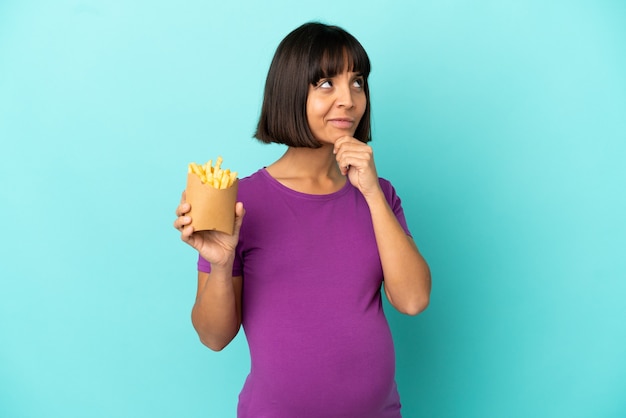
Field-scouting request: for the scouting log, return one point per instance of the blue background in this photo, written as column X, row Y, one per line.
column 502, row 125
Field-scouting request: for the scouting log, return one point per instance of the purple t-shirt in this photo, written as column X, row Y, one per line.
column 320, row 344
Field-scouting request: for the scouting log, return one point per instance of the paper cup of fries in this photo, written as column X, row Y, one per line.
column 212, row 194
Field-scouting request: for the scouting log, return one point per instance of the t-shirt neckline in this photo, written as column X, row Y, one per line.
column 344, row 189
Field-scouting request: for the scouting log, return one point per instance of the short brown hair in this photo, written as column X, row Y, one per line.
column 309, row 53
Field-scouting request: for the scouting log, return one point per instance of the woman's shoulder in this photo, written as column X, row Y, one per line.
column 384, row 182
column 388, row 190
column 252, row 185
column 252, row 178
column 386, row 185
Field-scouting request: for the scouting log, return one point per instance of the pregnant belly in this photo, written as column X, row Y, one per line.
column 310, row 371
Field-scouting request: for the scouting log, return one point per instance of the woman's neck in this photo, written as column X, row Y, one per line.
column 308, row 170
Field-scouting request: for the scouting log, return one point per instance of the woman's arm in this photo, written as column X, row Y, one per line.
column 216, row 314
column 406, row 274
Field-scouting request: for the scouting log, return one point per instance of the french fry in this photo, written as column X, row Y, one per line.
column 196, row 169
column 224, row 179
column 214, row 176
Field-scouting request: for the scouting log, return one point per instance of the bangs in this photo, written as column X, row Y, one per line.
column 334, row 52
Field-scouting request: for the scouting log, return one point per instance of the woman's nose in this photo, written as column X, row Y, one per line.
column 344, row 97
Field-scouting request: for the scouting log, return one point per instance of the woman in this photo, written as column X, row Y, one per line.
column 304, row 268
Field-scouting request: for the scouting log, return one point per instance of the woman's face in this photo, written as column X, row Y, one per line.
column 335, row 106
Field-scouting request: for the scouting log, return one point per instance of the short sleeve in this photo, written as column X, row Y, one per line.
column 395, row 203
column 205, row 266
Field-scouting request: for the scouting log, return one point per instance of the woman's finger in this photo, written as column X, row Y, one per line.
column 182, row 209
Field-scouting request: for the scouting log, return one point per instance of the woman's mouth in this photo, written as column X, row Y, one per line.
column 341, row 123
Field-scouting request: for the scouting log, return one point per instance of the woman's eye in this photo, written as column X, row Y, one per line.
column 358, row 82
column 325, row 84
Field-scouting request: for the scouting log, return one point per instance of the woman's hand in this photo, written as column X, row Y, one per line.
column 218, row 248
column 356, row 159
